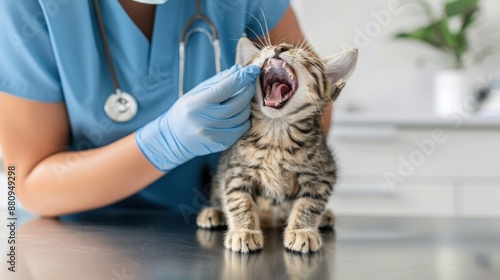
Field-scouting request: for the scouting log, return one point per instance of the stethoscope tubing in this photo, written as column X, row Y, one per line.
column 121, row 106
column 184, row 39
column 107, row 51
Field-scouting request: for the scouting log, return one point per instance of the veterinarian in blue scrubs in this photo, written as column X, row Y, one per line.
column 69, row 156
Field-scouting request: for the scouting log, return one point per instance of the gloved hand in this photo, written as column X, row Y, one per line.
column 208, row 119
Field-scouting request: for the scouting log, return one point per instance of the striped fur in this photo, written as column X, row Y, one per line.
column 281, row 171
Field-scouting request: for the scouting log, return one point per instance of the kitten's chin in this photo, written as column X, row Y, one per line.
column 281, row 113
column 272, row 113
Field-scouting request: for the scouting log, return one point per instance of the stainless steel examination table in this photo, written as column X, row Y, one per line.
column 160, row 245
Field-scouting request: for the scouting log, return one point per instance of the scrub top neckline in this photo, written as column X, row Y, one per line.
column 124, row 12
column 151, row 46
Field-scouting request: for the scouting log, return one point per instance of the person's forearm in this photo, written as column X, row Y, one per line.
column 70, row 181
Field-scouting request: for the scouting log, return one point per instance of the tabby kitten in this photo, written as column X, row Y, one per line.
column 281, row 171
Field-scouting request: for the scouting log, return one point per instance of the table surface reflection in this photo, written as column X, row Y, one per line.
column 161, row 245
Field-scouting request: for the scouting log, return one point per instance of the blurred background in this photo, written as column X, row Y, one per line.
column 391, row 76
column 416, row 132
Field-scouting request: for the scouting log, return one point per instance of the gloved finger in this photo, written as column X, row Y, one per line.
column 233, row 121
column 215, row 79
column 237, row 131
column 241, row 97
column 235, row 104
column 226, row 88
column 222, row 75
column 229, row 136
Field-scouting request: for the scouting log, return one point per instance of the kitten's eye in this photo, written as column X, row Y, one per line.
column 278, row 50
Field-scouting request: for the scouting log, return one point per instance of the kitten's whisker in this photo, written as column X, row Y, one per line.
column 305, row 70
column 266, row 25
column 318, row 47
column 329, row 97
column 255, row 33
column 317, row 105
column 266, row 39
column 317, row 67
column 309, row 96
column 260, row 46
column 307, row 38
column 314, row 64
column 278, row 41
column 301, row 43
column 291, row 36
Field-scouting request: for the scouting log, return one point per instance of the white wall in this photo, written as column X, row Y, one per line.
column 388, row 78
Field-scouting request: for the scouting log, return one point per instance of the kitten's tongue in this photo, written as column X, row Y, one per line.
column 277, row 92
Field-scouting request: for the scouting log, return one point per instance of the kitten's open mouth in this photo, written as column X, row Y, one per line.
column 278, row 83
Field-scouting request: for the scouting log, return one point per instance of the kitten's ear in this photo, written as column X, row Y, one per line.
column 339, row 69
column 245, row 51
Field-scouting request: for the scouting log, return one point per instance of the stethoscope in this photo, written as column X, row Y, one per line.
column 121, row 106
column 184, row 38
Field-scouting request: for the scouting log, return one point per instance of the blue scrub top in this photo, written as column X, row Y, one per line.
column 52, row 52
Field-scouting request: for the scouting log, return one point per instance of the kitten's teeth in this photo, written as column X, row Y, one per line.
column 284, row 64
column 289, row 73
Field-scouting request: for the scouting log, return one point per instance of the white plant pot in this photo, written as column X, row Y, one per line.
column 453, row 90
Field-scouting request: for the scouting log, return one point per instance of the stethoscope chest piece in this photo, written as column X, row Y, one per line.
column 120, row 107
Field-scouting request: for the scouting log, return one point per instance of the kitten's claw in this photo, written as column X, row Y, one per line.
column 210, row 218
column 302, row 240
column 327, row 220
column 244, row 241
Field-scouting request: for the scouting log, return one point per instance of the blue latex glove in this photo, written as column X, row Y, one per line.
column 208, row 119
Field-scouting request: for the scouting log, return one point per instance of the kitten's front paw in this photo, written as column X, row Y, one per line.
column 302, row 240
column 211, row 217
column 244, row 241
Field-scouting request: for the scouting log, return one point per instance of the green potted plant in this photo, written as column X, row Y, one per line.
column 453, row 84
